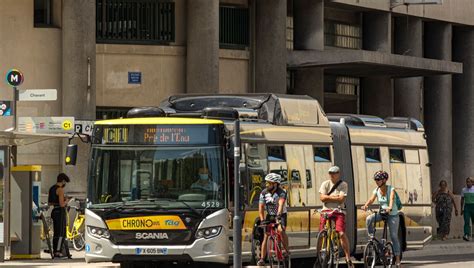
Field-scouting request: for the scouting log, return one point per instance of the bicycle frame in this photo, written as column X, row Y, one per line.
column 276, row 235
column 73, row 232
column 333, row 235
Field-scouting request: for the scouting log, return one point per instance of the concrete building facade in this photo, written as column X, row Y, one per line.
column 380, row 58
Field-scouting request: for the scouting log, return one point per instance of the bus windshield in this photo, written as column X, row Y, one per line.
column 165, row 177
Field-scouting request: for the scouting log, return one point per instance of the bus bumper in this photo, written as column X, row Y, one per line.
column 214, row 250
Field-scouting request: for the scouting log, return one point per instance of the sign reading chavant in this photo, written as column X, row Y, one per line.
column 49, row 125
column 38, row 95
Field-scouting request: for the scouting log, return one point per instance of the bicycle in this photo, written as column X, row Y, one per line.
column 47, row 231
column 76, row 232
column 275, row 245
column 328, row 241
column 379, row 252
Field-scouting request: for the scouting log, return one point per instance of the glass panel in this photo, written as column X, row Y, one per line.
column 168, row 177
column 372, row 155
column 257, row 168
column 397, row 156
column 322, row 154
column 276, row 153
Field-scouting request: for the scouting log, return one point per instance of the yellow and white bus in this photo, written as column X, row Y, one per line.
column 148, row 203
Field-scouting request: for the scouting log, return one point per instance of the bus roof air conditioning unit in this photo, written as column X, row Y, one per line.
column 145, row 112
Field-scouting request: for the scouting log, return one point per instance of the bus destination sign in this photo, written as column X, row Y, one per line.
column 158, row 134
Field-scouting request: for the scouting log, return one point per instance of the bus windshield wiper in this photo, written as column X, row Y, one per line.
column 179, row 201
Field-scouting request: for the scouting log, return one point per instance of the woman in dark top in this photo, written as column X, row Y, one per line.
column 57, row 199
column 444, row 202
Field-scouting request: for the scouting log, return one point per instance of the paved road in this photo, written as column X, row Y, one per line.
column 455, row 253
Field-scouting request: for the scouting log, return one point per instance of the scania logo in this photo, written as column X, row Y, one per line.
column 156, row 236
column 171, row 223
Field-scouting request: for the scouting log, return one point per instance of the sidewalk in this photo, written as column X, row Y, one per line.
column 46, row 262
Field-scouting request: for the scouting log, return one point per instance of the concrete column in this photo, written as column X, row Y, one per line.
column 78, row 94
column 377, row 27
column 270, row 58
column 308, row 21
column 463, row 107
column 438, row 104
column 202, row 50
column 377, row 96
column 408, row 100
column 310, row 81
column 377, row 92
column 308, row 16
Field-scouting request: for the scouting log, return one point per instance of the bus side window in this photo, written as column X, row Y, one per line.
column 256, row 163
column 372, row 155
column 396, row 155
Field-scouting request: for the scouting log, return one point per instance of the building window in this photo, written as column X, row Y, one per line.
column 397, row 156
column 135, row 21
column 43, row 13
column 276, row 153
column 289, row 33
column 233, row 27
column 322, row 154
column 104, row 113
column 372, row 155
column 343, row 35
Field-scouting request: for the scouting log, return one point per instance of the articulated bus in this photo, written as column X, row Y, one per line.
column 148, row 200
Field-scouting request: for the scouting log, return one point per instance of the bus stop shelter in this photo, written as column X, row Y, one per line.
column 7, row 141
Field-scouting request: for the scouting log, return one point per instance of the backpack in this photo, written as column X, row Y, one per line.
column 398, row 202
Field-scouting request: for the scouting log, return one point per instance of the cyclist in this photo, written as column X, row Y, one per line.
column 333, row 194
column 385, row 195
column 273, row 198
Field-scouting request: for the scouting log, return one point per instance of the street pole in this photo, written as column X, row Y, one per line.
column 15, row 99
column 237, row 233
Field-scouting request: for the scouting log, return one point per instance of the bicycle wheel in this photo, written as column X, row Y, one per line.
column 78, row 242
column 370, row 255
column 272, row 254
column 322, row 250
column 256, row 246
column 46, row 236
column 389, row 255
column 335, row 251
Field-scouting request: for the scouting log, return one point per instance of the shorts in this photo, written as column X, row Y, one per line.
column 284, row 219
column 340, row 220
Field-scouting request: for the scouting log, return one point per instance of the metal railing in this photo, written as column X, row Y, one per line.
column 135, row 21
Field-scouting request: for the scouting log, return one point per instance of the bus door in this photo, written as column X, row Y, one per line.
column 301, row 190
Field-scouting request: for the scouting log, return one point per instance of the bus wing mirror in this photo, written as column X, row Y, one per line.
column 71, row 154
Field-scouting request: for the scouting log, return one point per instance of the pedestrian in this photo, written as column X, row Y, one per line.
column 57, row 199
column 467, row 208
column 444, row 202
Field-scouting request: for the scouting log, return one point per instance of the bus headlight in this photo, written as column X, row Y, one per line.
column 98, row 232
column 208, row 232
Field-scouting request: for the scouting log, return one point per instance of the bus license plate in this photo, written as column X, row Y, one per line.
column 151, row 251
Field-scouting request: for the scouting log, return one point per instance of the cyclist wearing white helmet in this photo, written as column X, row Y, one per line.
column 273, row 200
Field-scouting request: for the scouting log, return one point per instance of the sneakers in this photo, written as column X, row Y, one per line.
column 261, row 262
column 466, row 238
